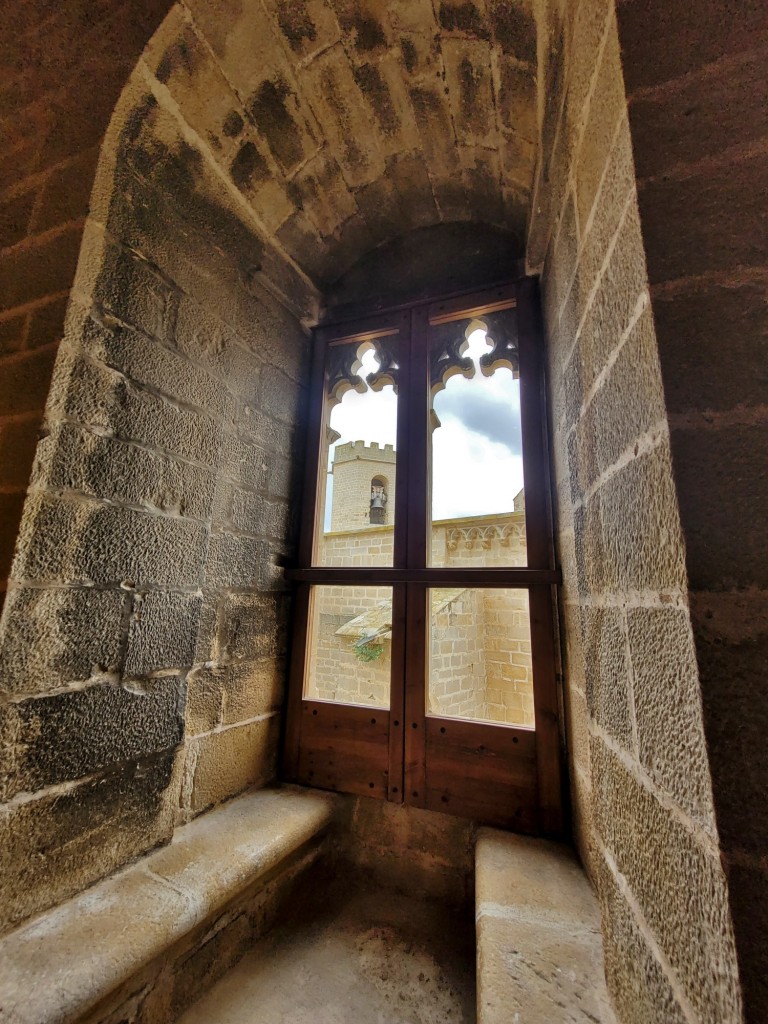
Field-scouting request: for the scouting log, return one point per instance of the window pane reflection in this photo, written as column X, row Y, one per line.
column 480, row 655
column 350, row 640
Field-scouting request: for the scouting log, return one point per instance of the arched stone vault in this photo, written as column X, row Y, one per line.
column 338, row 126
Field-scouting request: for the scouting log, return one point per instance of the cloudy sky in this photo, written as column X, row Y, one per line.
column 476, row 464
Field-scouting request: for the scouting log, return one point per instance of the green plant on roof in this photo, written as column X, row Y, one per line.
column 365, row 647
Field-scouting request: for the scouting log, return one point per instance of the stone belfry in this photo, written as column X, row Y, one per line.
column 363, row 486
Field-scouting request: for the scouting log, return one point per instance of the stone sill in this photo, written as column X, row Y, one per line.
column 539, row 945
column 60, row 965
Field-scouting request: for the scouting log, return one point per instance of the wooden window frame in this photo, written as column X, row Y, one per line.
column 409, row 730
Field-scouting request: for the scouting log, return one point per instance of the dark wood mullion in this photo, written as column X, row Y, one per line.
column 546, row 711
column 416, row 654
column 530, row 346
column 437, row 577
column 540, row 554
column 315, row 430
column 473, row 304
column 397, row 696
column 299, row 648
column 419, row 511
column 403, row 447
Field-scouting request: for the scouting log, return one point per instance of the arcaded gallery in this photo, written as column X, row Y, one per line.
column 383, row 512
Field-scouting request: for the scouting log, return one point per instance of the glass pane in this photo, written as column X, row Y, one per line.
column 480, row 656
column 357, row 468
column 350, row 645
column 476, row 464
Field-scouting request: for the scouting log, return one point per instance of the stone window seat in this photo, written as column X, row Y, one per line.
column 101, row 955
column 539, row 947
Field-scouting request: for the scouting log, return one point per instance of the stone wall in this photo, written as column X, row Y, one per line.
column 143, row 639
column 698, row 114
column 640, row 784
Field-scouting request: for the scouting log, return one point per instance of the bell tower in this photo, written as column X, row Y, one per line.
column 363, row 486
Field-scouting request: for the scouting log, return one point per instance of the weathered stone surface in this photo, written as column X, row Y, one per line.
column 162, row 632
column 607, row 671
column 229, row 761
column 49, row 740
column 72, row 458
column 253, row 688
column 639, row 988
column 678, row 882
column 539, row 950
column 134, row 918
column 667, row 703
column 59, row 843
column 54, row 637
column 251, row 625
column 409, row 850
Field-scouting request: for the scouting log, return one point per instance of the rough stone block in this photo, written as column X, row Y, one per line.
column 722, row 479
column 203, row 709
column 252, row 626
column 345, row 115
column 694, row 326
column 57, row 844
column 229, row 761
column 687, row 226
column 731, row 637
column 128, row 288
column 71, row 458
column 122, row 545
column 678, row 882
column 628, row 404
column 617, row 186
column 152, row 365
column 308, row 28
column 538, row 936
column 615, row 301
column 607, row 108
column 607, row 670
column 640, row 526
column 49, row 740
column 237, row 561
column 162, row 632
column 93, row 394
column 243, row 460
column 640, row 990
column 259, row 517
column 253, row 688
column 668, row 707
column 54, row 637
column 24, row 380
column 82, row 542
